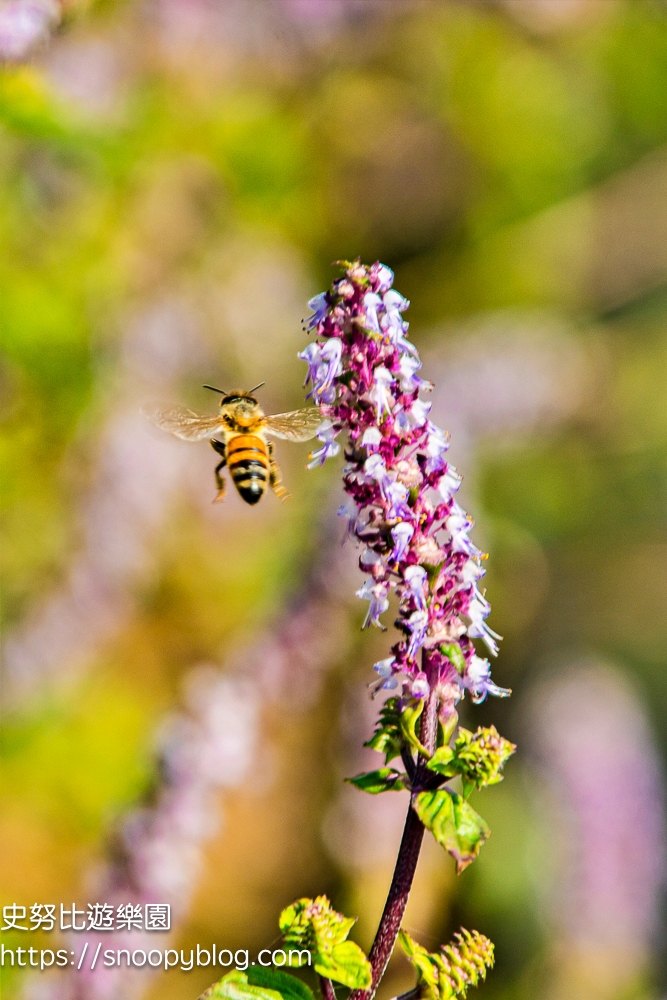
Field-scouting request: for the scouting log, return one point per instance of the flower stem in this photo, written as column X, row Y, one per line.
column 406, row 864
column 327, row 988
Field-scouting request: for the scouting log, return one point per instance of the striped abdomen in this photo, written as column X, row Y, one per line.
column 248, row 464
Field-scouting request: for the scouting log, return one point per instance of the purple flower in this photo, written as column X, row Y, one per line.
column 437, row 445
column 416, row 540
column 371, row 439
column 471, row 572
column 416, row 579
column 384, row 276
column 375, row 468
column 419, row 412
column 349, row 511
column 477, row 679
column 478, row 610
column 376, row 594
column 396, row 495
column 420, row 687
column 401, row 533
column 380, row 394
column 387, row 682
column 372, row 303
column 320, row 306
column 458, row 524
column 417, row 623
column 448, row 483
column 394, row 305
column 323, row 366
column 326, row 433
column 312, row 355
column 408, row 367
column 393, row 323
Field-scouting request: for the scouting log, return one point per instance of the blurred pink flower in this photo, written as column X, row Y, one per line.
column 155, row 854
column 136, row 475
column 597, row 755
column 23, row 24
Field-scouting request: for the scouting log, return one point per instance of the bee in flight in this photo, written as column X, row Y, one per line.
column 244, row 429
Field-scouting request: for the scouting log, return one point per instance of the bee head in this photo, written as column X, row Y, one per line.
column 237, row 396
column 242, row 406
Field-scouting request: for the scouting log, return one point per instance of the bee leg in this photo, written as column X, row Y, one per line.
column 275, row 479
column 219, row 481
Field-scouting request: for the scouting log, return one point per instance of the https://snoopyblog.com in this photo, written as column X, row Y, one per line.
column 183, row 959
column 102, row 919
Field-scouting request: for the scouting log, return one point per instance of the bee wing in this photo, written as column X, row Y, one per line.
column 183, row 423
column 298, row 425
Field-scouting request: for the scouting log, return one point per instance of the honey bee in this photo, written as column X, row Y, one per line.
column 244, row 448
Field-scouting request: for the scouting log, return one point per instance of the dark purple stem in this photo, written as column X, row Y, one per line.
column 406, row 864
column 327, row 988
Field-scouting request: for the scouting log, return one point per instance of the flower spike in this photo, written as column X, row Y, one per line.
column 362, row 372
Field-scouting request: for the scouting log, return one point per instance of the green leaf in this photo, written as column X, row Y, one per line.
column 312, row 924
column 408, row 721
column 395, row 728
column 446, row 728
column 347, row 965
column 386, row 779
column 289, row 987
column 454, row 654
column 443, row 762
column 453, row 823
column 387, row 736
column 432, row 571
column 468, row 786
column 235, row 986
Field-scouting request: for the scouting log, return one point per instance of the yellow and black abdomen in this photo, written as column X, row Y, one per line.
column 248, row 464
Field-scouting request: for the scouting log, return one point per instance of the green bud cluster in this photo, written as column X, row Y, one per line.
column 482, row 755
column 313, row 925
column 478, row 757
column 458, row 965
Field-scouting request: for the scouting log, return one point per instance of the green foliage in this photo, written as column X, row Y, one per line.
column 26, row 106
column 235, row 986
column 453, row 823
column 387, row 736
column 289, row 987
column 312, row 925
column 396, row 729
column 481, row 756
column 460, row 964
column 386, row 779
column 444, row 762
column 477, row 757
column 454, row 654
column 410, row 716
column 258, row 983
column 76, row 763
column 446, row 728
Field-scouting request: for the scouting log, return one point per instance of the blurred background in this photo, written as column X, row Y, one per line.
column 176, row 177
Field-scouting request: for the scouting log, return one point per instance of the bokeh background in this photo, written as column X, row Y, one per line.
column 184, row 684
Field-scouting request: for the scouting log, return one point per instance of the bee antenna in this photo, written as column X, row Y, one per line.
column 213, row 389
column 257, row 387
